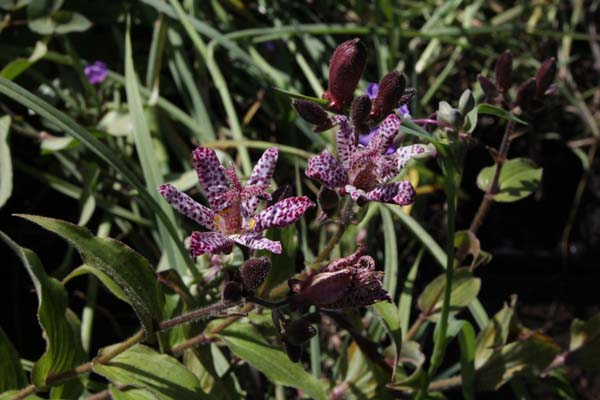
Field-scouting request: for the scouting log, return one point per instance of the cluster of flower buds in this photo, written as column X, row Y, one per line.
column 345, row 70
column 457, row 117
column 531, row 94
column 246, row 279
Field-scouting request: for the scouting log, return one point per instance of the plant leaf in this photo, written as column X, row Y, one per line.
column 530, row 355
column 585, row 344
column 63, row 349
column 466, row 340
column 110, row 284
column 411, row 354
column 465, row 288
column 247, row 343
column 129, row 270
column 160, row 374
column 518, row 178
column 130, row 393
column 6, row 173
column 391, row 322
column 12, row 376
column 321, row 102
column 489, row 109
column 495, row 334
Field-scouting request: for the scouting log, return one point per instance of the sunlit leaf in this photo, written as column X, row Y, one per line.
column 247, row 343
column 160, row 374
column 465, row 288
column 494, row 335
column 518, row 178
column 129, row 270
column 391, row 322
column 12, row 376
column 6, row 172
column 63, row 347
column 498, row 112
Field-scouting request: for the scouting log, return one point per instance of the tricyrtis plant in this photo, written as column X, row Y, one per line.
column 273, row 286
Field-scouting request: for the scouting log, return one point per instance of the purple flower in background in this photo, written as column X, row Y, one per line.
column 96, row 72
column 371, row 91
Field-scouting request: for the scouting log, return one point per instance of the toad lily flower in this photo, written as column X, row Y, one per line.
column 363, row 172
column 349, row 282
column 232, row 216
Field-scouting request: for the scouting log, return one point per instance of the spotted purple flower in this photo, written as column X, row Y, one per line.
column 96, row 72
column 363, row 172
column 232, row 216
column 349, row 282
column 372, row 91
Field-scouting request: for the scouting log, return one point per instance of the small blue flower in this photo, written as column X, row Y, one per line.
column 371, row 91
column 96, row 73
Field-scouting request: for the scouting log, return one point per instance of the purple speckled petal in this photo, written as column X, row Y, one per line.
column 346, row 140
column 257, row 242
column 387, row 167
column 401, row 193
column 209, row 242
column 261, row 175
column 354, row 192
column 407, row 153
column 327, row 170
column 210, row 175
column 388, row 129
column 372, row 90
column 282, row 213
column 188, row 206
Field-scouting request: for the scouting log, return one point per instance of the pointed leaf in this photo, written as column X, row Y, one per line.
column 494, row 335
column 321, row 102
column 489, row 109
column 391, row 322
column 12, row 376
column 160, row 374
column 519, row 178
column 6, row 174
column 465, row 288
column 585, row 344
column 62, row 349
column 247, row 343
column 129, row 270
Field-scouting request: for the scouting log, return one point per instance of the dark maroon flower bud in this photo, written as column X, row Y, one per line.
column 313, row 113
column 232, row 292
column 391, row 89
column 545, row 76
column 349, row 282
column 282, row 192
column 299, row 331
column 253, row 272
column 359, row 113
column 345, row 70
column 293, row 352
column 504, row 71
column 489, row 88
column 526, row 94
column 328, row 200
column 408, row 95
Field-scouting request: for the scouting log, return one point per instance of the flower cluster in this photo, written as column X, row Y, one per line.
column 232, row 216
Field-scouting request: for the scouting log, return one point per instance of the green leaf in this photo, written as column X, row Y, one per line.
column 12, row 376
column 390, row 279
column 531, row 355
column 466, row 340
column 148, row 158
column 9, row 395
column 129, row 270
column 467, row 243
column 63, row 349
column 247, row 343
column 495, row 334
column 16, row 67
column 60, row 22
column 413, row 129
column 160, row 374
column 321, row 102
column 130, row 393
column 585, row 344
column 391, row 322
column 70, row 127
column 110, row 284
column 518, row 178
column 42, row 8
column 411, row 355
column 406, row 295
column 465, row 288
column 489, row 109
column 6, row 173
